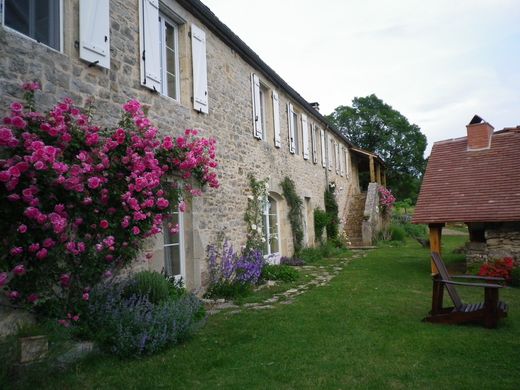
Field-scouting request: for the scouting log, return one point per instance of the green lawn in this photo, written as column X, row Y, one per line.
column 364, row 330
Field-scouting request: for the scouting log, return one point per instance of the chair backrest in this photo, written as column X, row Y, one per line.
column 441, row 267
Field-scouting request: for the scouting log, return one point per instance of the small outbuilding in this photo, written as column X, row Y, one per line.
column 475, row 180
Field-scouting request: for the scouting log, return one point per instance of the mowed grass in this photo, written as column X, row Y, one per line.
column 364, row 330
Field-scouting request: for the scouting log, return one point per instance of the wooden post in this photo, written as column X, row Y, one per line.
column 435, row 242
column 378, row 174
column 372, row 170
column 384, row 179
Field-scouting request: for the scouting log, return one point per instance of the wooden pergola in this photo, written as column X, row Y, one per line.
column 373, row 164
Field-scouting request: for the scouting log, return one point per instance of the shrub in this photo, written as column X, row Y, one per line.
column 310, row 255
column 321, row 220
column 293, row 261
column 234, row 273
column 397, row 233
column 415, row 231
column 284, row 273
column 295, row 204
column 77, row 200
column 515, row 277
column 499, row 268
column 150, row 284
column 331, row 208
column 175, row 287
column 133, row 325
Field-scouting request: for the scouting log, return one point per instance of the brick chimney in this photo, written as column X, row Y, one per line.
column 479, row 134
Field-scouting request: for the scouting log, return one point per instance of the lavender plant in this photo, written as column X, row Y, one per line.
column 234, row 274
column 133, row 325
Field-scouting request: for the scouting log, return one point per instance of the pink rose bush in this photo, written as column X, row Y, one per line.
column 386, row 198
column 78, row 200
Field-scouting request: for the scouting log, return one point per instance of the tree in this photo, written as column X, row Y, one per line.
column 375, row 126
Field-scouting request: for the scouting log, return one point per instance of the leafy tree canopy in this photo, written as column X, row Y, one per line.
column 375, row 126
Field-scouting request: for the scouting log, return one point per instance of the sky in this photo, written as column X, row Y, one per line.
column 438, row 63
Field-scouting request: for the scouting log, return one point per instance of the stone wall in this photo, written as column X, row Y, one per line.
column 502, row 240
column 219, row 212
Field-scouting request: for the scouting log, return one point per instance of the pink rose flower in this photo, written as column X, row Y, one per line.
column 104, row 224
column 162, row 203
column 136, row 230
column 65, row 280
column 13, row 295
column 33, row 298
column 19, row 270
column 22, row 229
column 42, row 254
column 4, row 278
column 94, row 182
column 85, row 296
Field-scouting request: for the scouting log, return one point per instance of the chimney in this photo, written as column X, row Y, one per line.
column 316, row 106
column 479, row 134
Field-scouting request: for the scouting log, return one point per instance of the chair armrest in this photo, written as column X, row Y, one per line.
column 495, row 278
column 481, row 285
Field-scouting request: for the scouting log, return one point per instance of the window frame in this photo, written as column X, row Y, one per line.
column 163, row 20
column 180, row 244
column 296, row 134
column 60, row 27
column 267, row 226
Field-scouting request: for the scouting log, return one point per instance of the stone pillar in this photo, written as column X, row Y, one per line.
column 372, row 170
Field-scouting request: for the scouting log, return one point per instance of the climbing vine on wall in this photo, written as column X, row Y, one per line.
column 256, row 200
column 331, row 208
column 295, row 212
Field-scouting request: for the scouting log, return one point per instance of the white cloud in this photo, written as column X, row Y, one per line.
column 438, row 63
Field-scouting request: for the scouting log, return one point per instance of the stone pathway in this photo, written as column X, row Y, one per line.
column 319, row 276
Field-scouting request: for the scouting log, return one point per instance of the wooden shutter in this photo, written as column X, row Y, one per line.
column 347, row 161
column 323, row 149
column 276, row 120
column 149, row 39
column 94, row 32
column 314, row 142
column 329, row 151
column 342, row 161
column 305, row 132
column 257, row 106
column 336, row 156
column 292, row 125
column 200, row 69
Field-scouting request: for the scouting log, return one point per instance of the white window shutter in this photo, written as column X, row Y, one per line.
column 292, row 125
column 257, row 107
column 200, row 69
column 342, row 161
column 94, row 32
column 305, row 132
column 329, row 152
column 323, row 149
column 336, row 156
column 276, row 120
column 314, row 142
column 149, row 39
column 347, row 161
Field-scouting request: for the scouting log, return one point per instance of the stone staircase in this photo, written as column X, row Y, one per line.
column 354, row 219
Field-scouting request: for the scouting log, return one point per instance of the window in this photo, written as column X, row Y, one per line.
column 271, row 233
column 342, row 161
column 305, row 137
column 174, row 245
column 323, row 149
column 347, row 162
column 330, row 144
column 38, row 19
column 336, row 157
column 169, row 57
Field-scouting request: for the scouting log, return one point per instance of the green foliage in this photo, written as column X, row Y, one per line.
column 331, row 208
column 415, row 231
column 228, row 290
column 321, row 220
column 151, row 284
column 515, row 277
column 254, row 212
column 374, row 125
column 310, row 255
column 284, row 273
column 295, row 212
column 397, row 233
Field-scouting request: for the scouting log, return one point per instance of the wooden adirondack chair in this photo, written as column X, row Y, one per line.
column 488, row 312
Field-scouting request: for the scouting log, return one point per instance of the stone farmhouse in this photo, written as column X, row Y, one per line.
column 191, row 71
column 475, row 180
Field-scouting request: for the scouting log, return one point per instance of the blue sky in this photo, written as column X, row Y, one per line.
column 438, row 63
